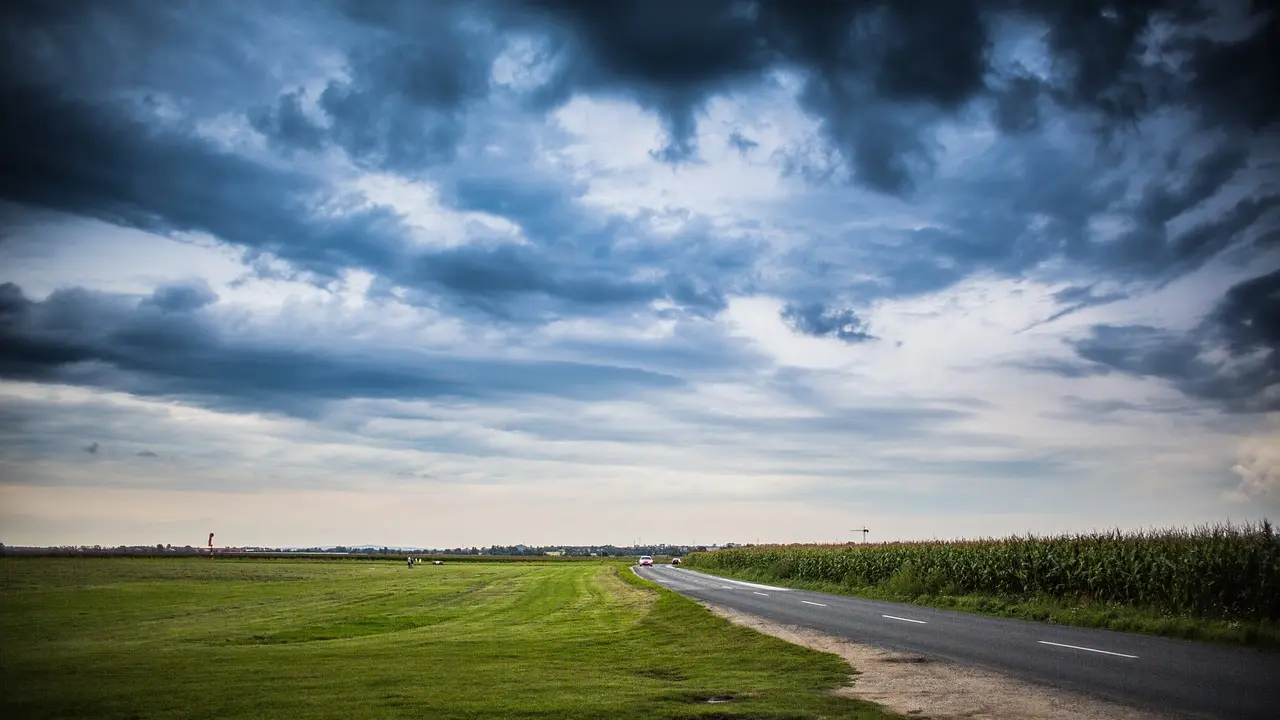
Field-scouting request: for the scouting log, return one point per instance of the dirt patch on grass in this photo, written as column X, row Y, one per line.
column 623, row 593
column 923, row 688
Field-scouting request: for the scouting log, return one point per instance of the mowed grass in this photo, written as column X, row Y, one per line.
column 197, row 638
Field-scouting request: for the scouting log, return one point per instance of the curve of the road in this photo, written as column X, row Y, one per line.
column 1175, row 677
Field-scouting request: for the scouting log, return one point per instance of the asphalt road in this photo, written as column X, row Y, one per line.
column 1177, row 677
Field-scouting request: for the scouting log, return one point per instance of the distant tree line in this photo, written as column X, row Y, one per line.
column 510, row 551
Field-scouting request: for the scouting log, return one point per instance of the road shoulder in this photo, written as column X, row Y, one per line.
column 916, row 686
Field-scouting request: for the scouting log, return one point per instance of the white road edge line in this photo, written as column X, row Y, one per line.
column 756, row 592
column 895, row 617
column 743, row 583
column 806, row 602
column 1077, row 647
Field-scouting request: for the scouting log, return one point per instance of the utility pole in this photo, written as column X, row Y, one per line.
column 864, row 532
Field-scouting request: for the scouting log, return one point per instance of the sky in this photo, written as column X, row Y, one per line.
column 443, row 274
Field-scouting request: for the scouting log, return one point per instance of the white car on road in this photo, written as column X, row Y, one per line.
column 646, row 560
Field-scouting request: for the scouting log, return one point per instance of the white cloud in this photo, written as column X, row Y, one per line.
column 1258, row 466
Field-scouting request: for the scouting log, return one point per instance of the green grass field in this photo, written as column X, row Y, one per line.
column 199, row 638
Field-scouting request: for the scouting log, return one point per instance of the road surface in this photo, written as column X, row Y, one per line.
column 1176, row 677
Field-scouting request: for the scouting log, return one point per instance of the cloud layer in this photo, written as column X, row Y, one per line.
column 977, row 258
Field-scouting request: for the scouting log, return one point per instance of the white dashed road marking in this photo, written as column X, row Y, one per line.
column 756, row 592
column 895, row 617
column 1077, row 647
column 744, row 583
column 806, row 602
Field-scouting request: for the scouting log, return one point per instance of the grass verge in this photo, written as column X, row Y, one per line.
column 1061, row 611
column 168, row 638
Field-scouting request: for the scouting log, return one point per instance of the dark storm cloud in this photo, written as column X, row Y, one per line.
column 1232, row 358
column 1018, row 105
column 667, row 56
column 1077, row 298
column 101, row 340
column 1036, row 206
column 819, row 320
column 1249, row 316
column 209, row 55
column 1100, row 43
column 863, row 61
column 672, row 56
column 585, row 255
column 88, row 159
column 878, row 77
column 1149, row 248
column 505, row 282
column 414, row 68
column 1142, row 350
column 125, row 172
column 1230, row 77
column 182, row 297
column 1019, row 206
column 286, row 124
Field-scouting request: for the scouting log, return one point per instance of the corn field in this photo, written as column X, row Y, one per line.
column 1220, row 571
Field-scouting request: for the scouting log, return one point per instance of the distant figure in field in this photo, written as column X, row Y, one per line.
column 410, row 562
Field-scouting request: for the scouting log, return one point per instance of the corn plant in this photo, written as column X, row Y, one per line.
column 1214, row 571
